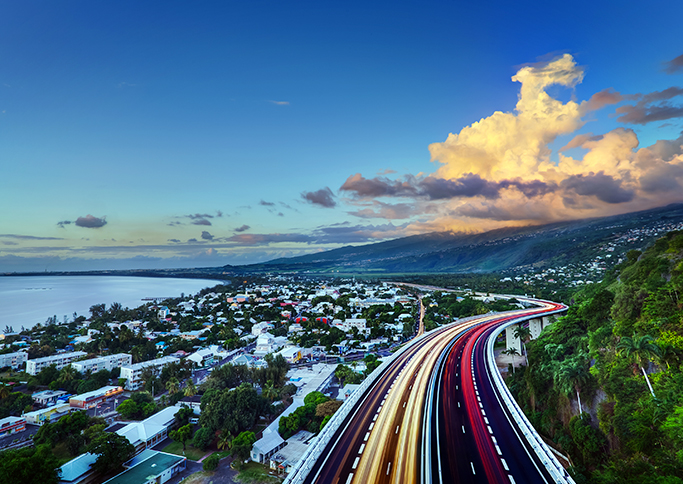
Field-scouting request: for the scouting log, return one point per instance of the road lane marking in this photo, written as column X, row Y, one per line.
column 404, row 404
column 458, row 404
column 486, row 420
column 375, row 417
column 388, row 468
column 366, row 437
column 397, row 429
column 490, row 431
column 472, row 464
column 362, row 448
column 505, row 464
column 463, row 429
column 348, row 481
column 512, row 480
column 355, row 463
column 498, row 450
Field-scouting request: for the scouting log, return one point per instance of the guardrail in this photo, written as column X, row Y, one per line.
column 541, row 449
column 314, row 452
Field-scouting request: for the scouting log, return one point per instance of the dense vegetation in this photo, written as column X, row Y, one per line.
column 605, row 382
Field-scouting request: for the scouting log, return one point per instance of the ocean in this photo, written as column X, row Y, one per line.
column 27, row 301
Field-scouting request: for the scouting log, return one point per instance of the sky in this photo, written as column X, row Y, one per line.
column 194, row 134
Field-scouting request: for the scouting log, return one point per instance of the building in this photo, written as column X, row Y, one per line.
column 78, row 470
column 194, row 402
column 133, row 373
column 15, row 360
column 12, row 425
column 35, row 366
column 90, row 399
column 48, row 397
column 149, row 432
column 266, row 447
column 47, row 415
column 108, row 363
column 202, row 358
column 150, row 467
column 262, row 327
column 292, row 354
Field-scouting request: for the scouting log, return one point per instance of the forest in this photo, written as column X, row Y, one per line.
column 604, row 384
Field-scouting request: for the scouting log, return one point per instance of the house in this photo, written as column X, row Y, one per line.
column 264, row 448
column 292, row 354
column 193, row 402
column 151, row 466
column 149, row 432
column 202, row 358
column 265, row 344
column 48, row 397
column 78, row 470
column 287, row 458
column 261, row 327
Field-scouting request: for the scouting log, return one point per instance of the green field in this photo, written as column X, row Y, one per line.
column 190, row 452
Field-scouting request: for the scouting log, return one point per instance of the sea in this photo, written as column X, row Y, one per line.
column 29, row 300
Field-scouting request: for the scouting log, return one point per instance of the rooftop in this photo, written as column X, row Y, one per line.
column 143, row 471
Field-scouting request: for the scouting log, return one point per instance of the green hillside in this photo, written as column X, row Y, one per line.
column 631, row 321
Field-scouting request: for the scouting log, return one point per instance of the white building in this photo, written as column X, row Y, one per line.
column 33, row 367
column 359, row 323
column 15, row 360
column 108, row 363
column 48, row 415
column 48, row 397
column 260, row 328
column 132, row 373
column 265, row 344
column 202, row 358
column 149, row 432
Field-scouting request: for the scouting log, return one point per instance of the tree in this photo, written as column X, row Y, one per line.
column 241, row 445
column 571, row 375
column 128, row 409
column 225, row 440
column 641, row 349
column 183, row 434
column 172, row 385
column 112, row 450
column 269, row 391
column 4, row 391
column 202, row 438
column 190, row 389
column 29, row 465
column 511, row 352
column 211, row 463
column 523, row 333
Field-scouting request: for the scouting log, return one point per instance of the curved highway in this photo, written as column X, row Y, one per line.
column 434, row 416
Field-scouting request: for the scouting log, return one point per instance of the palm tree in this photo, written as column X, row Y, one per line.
column 190, row 389
column 269, row 391
column 640, row 348
column 523, row 333
column 172, row 385
column 4, row 391
column 571, row 375
column 225, row 440
column 512, row 352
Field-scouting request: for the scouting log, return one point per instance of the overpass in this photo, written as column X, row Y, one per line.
column 437, row 411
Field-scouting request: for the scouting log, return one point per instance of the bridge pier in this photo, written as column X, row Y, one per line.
column 536, row 326
column 511, row 341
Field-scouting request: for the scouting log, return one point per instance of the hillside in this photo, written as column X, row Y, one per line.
column 554, row 244
column 595, row 359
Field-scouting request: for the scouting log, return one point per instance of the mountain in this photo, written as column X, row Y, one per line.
column 555, row 244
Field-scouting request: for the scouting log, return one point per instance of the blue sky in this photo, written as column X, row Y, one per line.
column 168, row 134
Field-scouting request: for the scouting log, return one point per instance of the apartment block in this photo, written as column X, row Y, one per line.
column 133, row 373
column 33, row 367
column 108, row 363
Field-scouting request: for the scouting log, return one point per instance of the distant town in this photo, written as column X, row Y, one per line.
column 283, row 344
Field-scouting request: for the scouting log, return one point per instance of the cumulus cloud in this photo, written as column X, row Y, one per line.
column 500, row 170
column 206, row 235
column 323, row 197
column 242, row 228
column 91, row 222
column 201, row 221
column 675, row 65
column 63, row 223
column 266, row 204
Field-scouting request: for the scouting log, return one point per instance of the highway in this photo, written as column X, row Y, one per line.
column 434, row 415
